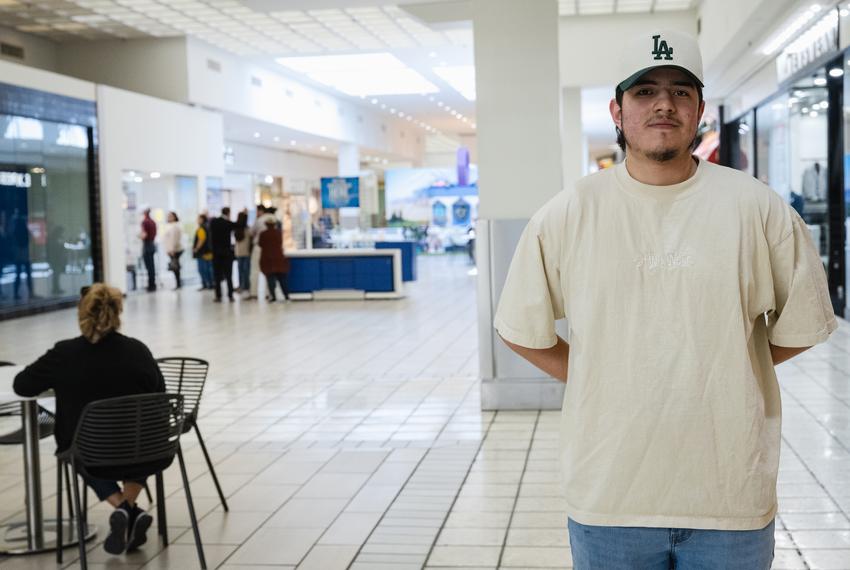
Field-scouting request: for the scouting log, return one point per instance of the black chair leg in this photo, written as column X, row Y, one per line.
column 161, row 523
column 212, row 470
column 85, row 490
column 191, row 509
column 81, row 531
column 59, row 522
column 67, row 476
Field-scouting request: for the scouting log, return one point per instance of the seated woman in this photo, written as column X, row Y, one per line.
column 100, row 364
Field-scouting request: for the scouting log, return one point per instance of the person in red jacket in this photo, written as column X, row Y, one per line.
column 273, row 263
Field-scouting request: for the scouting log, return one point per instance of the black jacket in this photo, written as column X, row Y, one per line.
column 220, row 237
column 80, row 372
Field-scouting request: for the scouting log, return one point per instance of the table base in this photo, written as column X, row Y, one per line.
column 13, row 537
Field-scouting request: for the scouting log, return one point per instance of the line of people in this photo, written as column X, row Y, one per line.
column 256, row 248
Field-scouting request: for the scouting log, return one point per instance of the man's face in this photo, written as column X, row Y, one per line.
column 659, row 115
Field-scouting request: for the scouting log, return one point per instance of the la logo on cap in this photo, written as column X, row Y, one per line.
column 662, row 49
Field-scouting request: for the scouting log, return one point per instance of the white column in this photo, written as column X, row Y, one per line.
column 573, row 141
column 519, row 157
column 348, row 160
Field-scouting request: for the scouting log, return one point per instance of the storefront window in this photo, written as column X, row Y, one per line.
column 808, row 130
column 45, row 228
column 743, row 151
column 772, row 145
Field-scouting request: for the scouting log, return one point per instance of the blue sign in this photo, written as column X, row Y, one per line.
column 340, row 192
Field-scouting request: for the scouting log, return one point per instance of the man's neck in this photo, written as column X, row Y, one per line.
column 657, row 173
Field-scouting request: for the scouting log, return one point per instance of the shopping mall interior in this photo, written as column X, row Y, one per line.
column 373, row 418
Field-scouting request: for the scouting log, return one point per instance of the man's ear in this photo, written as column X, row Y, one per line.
column 616, row 113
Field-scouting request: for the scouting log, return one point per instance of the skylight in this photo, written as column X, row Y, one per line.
column 361, row 75
column 460, row 77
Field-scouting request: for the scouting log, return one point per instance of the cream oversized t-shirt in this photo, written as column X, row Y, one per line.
column 671, row 416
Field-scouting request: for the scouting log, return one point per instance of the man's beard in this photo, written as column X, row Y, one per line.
column 659, row 155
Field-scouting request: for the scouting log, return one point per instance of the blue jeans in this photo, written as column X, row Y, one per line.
column 637, row 548
column 205, row 271
column 244, row 265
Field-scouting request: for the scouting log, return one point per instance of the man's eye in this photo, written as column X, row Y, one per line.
column 644, row 92
column 683, row 93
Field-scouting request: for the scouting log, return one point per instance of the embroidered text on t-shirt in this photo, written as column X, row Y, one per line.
column 674, row 260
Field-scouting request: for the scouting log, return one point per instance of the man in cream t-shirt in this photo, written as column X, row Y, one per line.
column 683, row 283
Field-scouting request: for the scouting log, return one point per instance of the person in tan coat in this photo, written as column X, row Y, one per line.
column 273, row 263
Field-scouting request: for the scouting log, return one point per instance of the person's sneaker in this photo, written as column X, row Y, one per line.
column 138, row 531
column 116, row 541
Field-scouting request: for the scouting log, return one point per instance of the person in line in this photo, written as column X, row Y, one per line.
column 221, row 234
column 21, row 247
column 242, row 236
column 684, row 284
column 256, row 229
column 172, row 241
column 202, row 252
column 148, row 235
column 101, row 363
column 273, row 263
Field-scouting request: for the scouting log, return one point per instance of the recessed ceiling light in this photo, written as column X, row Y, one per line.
column 836, row 72
column 361, row 74
column 277, row 139
column 292, row 143
column 374, row 101
column 820, row 81
column 439, row 103
column 400, row 115
column 323, row 148
column 155, row 175
column 256, row 135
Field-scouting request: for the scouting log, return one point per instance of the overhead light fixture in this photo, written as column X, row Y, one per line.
column 803, row 110
column 277, row 139
column 138, row 179
column 155, row 175
column 323, row 148
column 360, row 75
column 292, row 143
column 374, row 101
column 813, row 114
column 460, row 77
column 820, row 81
column 256, row 135
column 836, row 72
column 790, row 30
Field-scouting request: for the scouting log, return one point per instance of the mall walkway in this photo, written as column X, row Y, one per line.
column 349, row 435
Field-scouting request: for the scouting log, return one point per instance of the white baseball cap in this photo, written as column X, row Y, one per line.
column 665, row 48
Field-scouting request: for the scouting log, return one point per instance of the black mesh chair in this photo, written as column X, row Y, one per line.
column 125, row 438
column 46, row 420
column 187, row 376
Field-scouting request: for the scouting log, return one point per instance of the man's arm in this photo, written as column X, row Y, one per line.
column 553, row 361
column 780, row 354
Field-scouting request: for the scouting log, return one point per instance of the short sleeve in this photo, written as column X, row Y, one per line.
column 802, row 314
column 532, row 298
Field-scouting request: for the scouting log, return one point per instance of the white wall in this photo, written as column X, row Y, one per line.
column 33, row 78
column 263, row 160
column 286, row 102
column 590, row 45
column 138, row 132
column 761, row 85
column 155, row 67
column 38, row 52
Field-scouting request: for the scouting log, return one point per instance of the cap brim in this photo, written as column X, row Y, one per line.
column 629, row 82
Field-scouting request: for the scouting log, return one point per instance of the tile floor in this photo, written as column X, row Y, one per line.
column 350, row 435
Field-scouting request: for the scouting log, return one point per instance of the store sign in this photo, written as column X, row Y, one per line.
column 16, row 179
column 821, row 39
column 341, row 192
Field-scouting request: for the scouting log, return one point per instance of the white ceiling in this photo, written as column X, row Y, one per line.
column 260, row 30
column 603, row 7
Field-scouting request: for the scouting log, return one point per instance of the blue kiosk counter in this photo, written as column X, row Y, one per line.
column 345, row 274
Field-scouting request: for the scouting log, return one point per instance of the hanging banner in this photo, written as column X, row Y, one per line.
column 341, row 192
